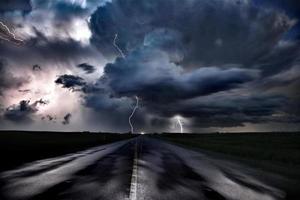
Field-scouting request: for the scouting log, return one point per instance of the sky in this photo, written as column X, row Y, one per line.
column 208, row 65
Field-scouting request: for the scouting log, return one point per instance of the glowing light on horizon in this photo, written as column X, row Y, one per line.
column 178, row 118
column 132, row 114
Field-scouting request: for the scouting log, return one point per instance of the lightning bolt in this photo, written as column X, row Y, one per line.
column 136, row 97
column 117, row 47
column 179, row 123
column 133, row 111
column 8, row 34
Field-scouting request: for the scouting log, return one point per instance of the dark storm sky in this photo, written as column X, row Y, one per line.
column 217, row 65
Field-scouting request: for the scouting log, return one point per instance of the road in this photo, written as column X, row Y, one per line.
column 135, row 169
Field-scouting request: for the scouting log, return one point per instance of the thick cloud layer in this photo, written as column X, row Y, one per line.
column 291, row 7
column 208, row 32
column 230, row 110
column 12, row 5
column 190, row 53
column 150, row 75
column 212, row 63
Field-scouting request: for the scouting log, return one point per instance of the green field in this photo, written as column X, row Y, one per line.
column 275, row 152
column 17, row 147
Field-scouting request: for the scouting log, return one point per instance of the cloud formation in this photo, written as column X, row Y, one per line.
column 67, row 119
column 8, row 80
column 13, row 5
column 150, row 75
column 70, row 81
column 89, row 69
column 23, row 112
column 205, row 32
column 213, row 63
column 178, row 54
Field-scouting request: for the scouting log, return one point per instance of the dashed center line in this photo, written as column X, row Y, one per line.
column 134, row 176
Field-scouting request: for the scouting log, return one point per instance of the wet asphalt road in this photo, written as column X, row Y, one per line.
column 135, row 169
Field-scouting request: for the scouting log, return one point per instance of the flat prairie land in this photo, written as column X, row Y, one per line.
column 275, row 152
column 19, row 147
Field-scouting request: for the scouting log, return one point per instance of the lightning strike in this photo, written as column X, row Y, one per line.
column 133, row 111
column 179, row 123
column 117, row 47
column 136, row 97
column 8, row 35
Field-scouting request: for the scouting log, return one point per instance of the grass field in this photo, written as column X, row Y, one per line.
column 18, row 147
column 275, row 152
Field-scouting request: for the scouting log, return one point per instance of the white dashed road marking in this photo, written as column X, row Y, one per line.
column 134, row 176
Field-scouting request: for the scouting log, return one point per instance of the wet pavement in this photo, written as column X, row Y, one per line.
column 135, row 169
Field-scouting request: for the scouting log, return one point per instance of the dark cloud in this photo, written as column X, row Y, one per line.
column 290, row 7
column 68, row 9
column 225, row 110
column 56, row 49
column 229, row 111
column 212, row 62
column 23, row 112
column 194, row 52
column 149, row 75
column 281, row 58
column 36, row 68
column 65, row 10
column 70, row 81
column 49, row 118
column 112, row 113
column 208, row 32
column 87, row 68
column 102, row 101
column 40, row 48
column 67, row 119
column 283, row 79
column 8, row 80
column 62, row 11
column 13, row 5
column 77, row 84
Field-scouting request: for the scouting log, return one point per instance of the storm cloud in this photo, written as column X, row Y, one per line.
column 89, row 69
column 193, row 52
column 23, row 112
column 207, row 32
column 13, row 5
column 214, row 63
column 154, row 78
column 70, row 81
